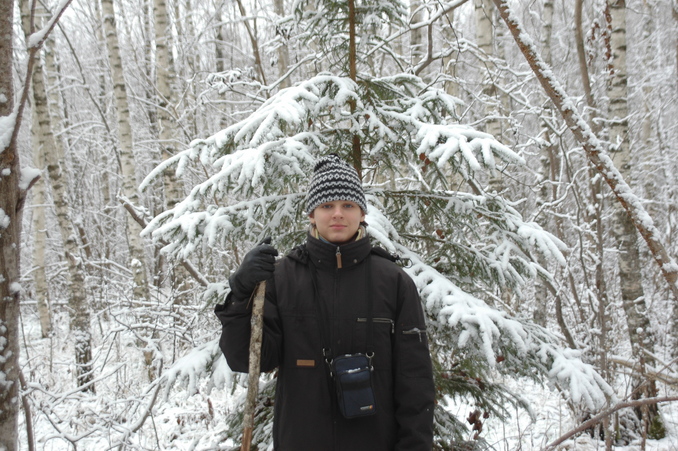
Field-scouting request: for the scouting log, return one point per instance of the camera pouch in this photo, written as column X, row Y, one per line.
column 353, row 384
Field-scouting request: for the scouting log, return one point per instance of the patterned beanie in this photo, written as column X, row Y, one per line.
column 333, row 179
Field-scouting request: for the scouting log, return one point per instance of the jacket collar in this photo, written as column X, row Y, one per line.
column 328, row 255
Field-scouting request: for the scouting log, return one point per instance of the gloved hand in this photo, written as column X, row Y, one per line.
column 258, row 265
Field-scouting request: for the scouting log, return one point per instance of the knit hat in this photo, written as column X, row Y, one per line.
column 333, row 179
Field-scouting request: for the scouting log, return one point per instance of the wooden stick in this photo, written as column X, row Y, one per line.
column 254, row 365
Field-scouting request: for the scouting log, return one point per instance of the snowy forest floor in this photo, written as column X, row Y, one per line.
column 66, row 419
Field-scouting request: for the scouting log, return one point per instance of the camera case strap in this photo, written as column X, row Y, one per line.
column 350, row 374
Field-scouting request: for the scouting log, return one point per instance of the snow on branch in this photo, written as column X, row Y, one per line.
column 492, row 332
column 200, row 361
column 269, row 155
column 440, row 143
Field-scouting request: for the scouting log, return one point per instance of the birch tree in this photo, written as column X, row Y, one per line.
column 126, row 144
column 53, row 151
column 628, row 258
column 137, row 257
column 164, row 75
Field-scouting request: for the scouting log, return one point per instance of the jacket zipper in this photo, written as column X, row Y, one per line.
column 380, row 321
column 338, row 254
column 415, row 331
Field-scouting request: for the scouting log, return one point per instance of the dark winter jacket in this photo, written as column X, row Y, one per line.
column 306, row 415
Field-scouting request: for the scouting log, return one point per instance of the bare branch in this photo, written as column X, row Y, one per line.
column 142, row 222
column 594, row 149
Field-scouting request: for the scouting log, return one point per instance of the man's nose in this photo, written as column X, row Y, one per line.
column 337, row 211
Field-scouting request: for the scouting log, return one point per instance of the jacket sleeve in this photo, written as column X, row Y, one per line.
column 235, row 316
column 414, row 390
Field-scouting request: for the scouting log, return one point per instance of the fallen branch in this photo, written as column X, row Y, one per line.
column 654, row 375
column 606, row 413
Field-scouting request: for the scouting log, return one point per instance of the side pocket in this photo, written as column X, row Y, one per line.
column 413, row 353
column 416, row 331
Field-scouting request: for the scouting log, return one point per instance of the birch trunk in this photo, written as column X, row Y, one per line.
column 450, row 62
column 43, row 138
column 10, row 233
column 484, row 13
column 40, row 199
column 125, row 140
column 485, row 39
column 417, row 46
column 165, row 82
column 39, row 241
column 624, row 231
column 283, row 53
column 219, row 42
column 628, row 259
column 164, row 79
column 548, row 152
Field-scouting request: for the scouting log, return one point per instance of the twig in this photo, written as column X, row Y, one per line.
column 658, row 376
column 185, row 263
column 27, row 413
column 142, row 419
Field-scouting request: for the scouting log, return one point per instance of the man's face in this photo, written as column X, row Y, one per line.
column 337, row 221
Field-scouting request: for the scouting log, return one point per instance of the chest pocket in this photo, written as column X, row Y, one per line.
column 383, row 330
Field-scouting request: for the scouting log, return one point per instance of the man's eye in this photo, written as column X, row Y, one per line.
column 348, row 205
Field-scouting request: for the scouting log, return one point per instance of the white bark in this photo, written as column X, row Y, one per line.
column 485, row 39
column 630, row 271
column 53, row 151
column 125, row 140
column 283, row 53
column 450, row 61
column 39, row 242
column 548, row 161
column 164, row 80
column 417, row 37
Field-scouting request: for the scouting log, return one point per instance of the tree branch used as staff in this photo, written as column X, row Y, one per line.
column 254, row 365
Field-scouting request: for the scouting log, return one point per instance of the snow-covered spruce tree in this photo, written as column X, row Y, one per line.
column 461, row 244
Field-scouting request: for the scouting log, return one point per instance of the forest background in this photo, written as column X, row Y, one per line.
column 522, row 153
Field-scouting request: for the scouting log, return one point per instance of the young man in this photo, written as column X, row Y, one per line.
column 336, row 295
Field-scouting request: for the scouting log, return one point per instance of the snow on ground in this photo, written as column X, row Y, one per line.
column 197, row 421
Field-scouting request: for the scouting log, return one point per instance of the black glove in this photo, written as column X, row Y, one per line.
column 257, row 265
